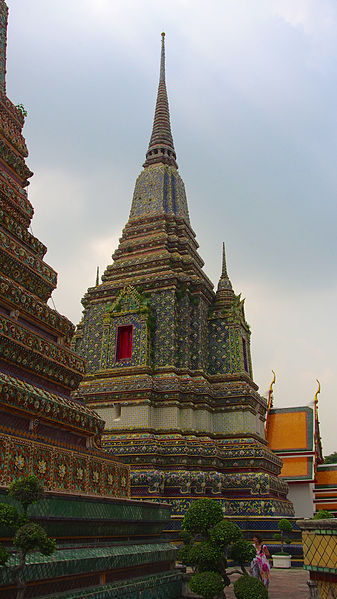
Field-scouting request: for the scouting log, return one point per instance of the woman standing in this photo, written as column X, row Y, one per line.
column 260, row 567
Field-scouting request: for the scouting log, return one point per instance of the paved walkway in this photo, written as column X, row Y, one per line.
column 284, row 584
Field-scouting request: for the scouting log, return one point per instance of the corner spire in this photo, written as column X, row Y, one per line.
column 3, row 39
column 224, row 266
column 224, row 282
column 161, row 148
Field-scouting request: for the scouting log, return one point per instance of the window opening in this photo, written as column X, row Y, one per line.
column 124, row 343
column 245, row 358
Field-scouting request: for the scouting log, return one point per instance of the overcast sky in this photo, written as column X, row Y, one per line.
column 252, row 88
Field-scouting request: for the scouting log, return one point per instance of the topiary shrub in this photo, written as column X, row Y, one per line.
column 322, row 514
column 28, row 536
column 207, row 584
column 242, row 552
column 26, row 490
column 284, row 526
column 208, row 540
column 185, row 536
column 247, row 587
column 225, row 532
column 184, row 555
column 32, row 537
column 202, row 515
column 205, row 556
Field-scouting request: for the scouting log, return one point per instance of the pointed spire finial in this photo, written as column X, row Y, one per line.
column 3, row 37
column 162, row 58
column 97, row 276
column 224, row 282
column 224, row 266
column 161, row 148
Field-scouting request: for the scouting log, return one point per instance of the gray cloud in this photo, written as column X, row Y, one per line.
column 253, row 94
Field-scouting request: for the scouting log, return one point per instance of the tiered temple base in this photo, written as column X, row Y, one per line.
column 106, row 548
column 179, row 469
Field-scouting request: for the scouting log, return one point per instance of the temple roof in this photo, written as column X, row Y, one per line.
column 19, row 396
column 161, row 148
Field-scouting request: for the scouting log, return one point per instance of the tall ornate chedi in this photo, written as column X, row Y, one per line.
column 45, row 432
column 168, row 360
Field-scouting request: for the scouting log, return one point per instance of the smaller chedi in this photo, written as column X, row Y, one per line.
column 43, row 431
column 168, row 359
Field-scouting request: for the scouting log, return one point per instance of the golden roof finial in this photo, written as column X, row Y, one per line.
column 316, row 402
column 272, row 383
column 317, row 392
column 317, row 437
column 270, row 401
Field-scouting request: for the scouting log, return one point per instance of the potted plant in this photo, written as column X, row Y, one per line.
column 322, row 515
column 282, row 559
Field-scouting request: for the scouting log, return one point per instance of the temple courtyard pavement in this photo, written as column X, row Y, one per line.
column 284, row 584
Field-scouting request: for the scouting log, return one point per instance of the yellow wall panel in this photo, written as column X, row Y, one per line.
column 327, row 506
column 295, row 467
column 287, row 430
column 326, row 477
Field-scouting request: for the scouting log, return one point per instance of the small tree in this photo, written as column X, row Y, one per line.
column 331, row 459
column 208, row 540
column 247, row 587
column 322, row 514
column 284, row 527
column 29, row 537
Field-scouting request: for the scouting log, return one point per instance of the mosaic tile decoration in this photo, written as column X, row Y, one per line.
column 190, row 372
column 46, row 432
column 327, row 590
column 76, row 472
column 159, row 586
column 66, row 562
column 39, row 402
column 320, row 550
column 78, row 519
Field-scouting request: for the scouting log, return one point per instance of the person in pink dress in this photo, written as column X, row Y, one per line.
column 260, row 567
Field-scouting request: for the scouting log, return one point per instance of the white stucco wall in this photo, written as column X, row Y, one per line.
column 302, row 496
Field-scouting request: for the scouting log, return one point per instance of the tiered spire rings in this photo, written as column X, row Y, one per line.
column 161, row 148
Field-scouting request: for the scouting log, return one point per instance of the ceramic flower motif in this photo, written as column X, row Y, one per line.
column 62, row 470
column 42, row 466
column 19, row 462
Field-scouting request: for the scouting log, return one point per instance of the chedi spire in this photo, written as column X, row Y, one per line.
column 161, row 148
column 224, row 282
column 3, row 44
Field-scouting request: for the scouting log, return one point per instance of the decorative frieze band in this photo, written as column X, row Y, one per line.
column 61, row 470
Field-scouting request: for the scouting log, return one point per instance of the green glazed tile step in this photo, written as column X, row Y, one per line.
column 93, row 559
column 61, row 507
column 156, row 586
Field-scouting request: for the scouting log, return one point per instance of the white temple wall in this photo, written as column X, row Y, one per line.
column 302, row 497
